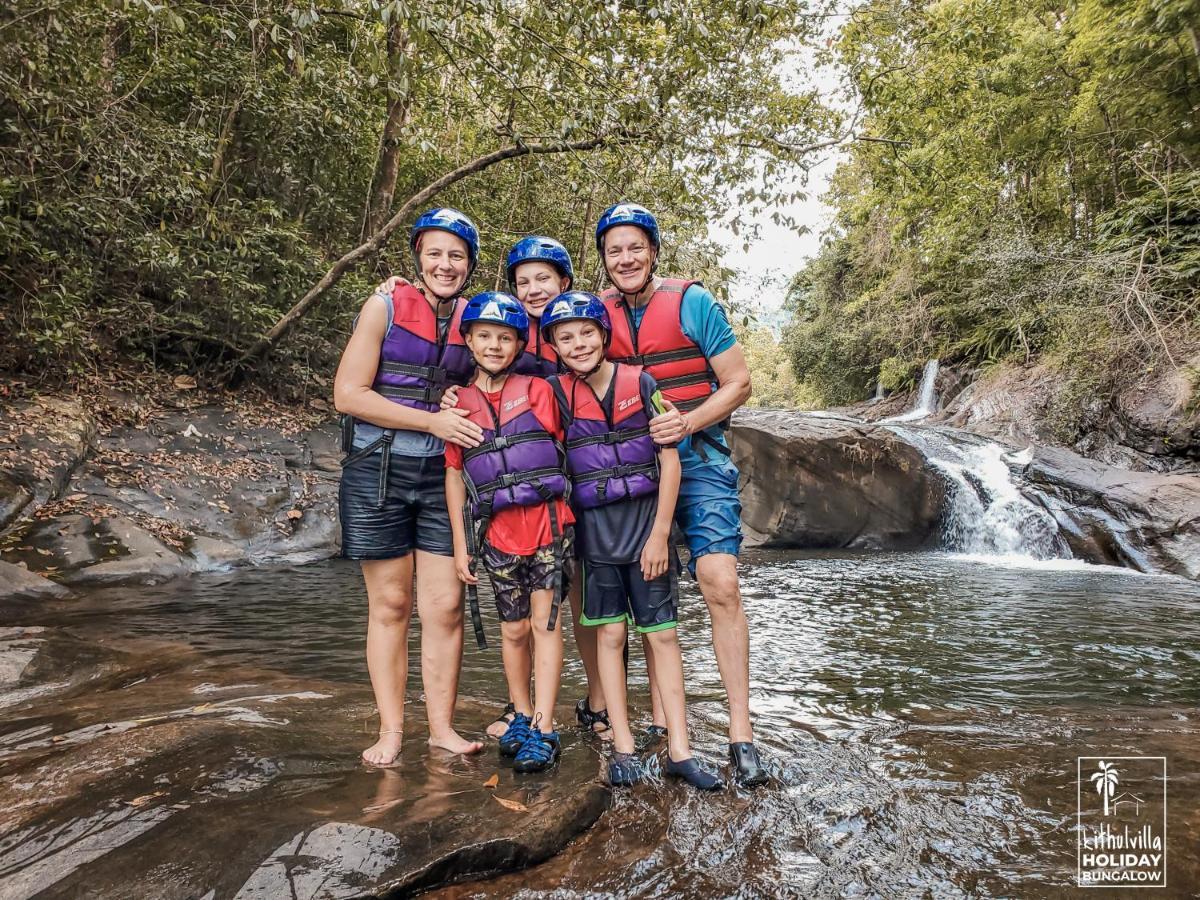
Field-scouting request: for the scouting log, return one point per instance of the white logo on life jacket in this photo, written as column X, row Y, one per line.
column 510, row 405
column 625, row 404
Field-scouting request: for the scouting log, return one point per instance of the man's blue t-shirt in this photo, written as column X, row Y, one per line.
column 704, row 322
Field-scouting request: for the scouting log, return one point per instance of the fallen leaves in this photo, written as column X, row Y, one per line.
column 514, row 805
column 146, row 798
column 295, row 514
column 185, row 382
column 493, row 781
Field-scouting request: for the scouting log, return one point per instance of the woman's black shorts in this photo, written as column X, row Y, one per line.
column 413, row 514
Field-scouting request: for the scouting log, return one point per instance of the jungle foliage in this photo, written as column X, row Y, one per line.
column 174, row 175
column 1024, row 185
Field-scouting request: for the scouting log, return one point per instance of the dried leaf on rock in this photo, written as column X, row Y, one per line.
column 514, row 805
column 493, row 781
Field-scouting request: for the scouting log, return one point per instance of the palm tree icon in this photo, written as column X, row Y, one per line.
column 1106, row 782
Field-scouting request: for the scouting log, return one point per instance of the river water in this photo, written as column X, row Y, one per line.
column 922, row 714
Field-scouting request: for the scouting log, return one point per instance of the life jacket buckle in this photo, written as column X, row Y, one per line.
column 611, row 437
column 500, row 442
column 508, row 479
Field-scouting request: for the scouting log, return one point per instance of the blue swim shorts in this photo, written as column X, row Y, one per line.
column 709, row 512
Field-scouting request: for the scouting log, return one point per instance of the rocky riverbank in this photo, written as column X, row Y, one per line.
column 120, row 487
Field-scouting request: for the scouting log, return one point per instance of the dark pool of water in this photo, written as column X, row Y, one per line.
column 922, row 715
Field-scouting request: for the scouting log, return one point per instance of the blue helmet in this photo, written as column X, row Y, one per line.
column 443, row 218
column 540, row 249
column 498, row 308
column 626, row 214
column 573, row 306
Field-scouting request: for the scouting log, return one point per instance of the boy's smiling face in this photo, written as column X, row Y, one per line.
column 536, row 284
column 493, row 346
column 580, row 345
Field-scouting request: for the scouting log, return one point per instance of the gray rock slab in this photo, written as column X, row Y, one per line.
column 151, row 771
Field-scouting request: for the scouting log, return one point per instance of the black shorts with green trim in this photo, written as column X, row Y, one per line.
column 619, row 593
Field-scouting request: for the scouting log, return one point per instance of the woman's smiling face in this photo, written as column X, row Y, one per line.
column 536, row 284
column 444, row 262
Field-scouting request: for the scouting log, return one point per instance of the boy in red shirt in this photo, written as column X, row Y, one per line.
column 516, row 488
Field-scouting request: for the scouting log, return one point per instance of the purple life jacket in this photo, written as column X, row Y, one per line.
column 415, row 363
column 519, row 463
column 608, row 459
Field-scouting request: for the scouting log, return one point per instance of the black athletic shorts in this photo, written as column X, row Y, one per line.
column 618, row 593
column 413, row 515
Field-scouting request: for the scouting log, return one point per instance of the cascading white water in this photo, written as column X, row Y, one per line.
column 926, row 396
column 985, row 512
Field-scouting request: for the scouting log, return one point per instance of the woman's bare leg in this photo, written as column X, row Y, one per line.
column 439, row 603
column 389, row 604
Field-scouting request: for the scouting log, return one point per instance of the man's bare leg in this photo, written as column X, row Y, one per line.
column 718, row 579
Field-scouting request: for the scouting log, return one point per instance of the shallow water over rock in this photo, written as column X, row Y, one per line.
column 922, row 714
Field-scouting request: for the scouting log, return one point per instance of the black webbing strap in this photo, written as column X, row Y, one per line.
column 556, row 533
column 664, row 356
column 473, row 589
column 622, row 471
column 609, row 437
column 429, row 394
column 501, row 442
column 385, row 459
column 707, row 377
column 433, row 374
column 511, row 479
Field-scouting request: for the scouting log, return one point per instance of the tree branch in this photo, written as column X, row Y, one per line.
column 376, row 242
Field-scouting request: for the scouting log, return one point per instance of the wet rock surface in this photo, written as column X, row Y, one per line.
column 145, row 769
column 164, row 491
column 828, row 481
column 1142, row 520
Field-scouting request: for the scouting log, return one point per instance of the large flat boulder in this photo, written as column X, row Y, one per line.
column 811, row 480
column 18, row 583
column 42, row 442
column 142, row 769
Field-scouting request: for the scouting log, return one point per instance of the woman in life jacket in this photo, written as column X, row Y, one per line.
column 404, row 350
column 679, row 333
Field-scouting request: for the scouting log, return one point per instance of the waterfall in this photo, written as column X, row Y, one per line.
column 926, row 397
column 985, row 511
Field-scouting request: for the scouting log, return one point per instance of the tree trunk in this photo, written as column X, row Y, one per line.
column 223, row 143
column 586, row 233
column 289, row 319
column 387, row 166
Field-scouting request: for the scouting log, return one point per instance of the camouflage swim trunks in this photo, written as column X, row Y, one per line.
column 514, row 578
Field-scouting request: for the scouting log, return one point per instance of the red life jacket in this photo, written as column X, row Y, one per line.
column 539, row 356
column 675, row 360
column 609, row 459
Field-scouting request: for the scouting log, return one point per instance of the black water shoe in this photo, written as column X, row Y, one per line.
column 693, row 773
column 748, row 769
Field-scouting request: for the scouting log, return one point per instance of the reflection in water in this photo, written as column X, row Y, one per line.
column 921, row 713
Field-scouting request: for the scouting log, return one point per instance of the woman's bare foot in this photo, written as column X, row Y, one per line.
column 385, row 751
column 453, row 742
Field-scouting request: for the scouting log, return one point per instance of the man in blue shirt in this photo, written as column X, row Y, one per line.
column 684, row 339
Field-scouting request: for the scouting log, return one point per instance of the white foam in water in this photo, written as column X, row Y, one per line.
column 986, row 514
column 926, row 400
column 1011, row 561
